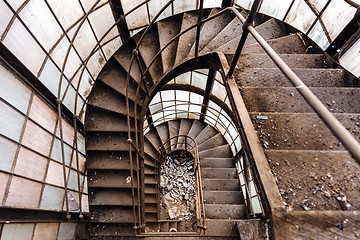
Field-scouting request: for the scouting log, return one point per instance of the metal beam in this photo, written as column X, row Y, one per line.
column 118, row 13
column 208, row 88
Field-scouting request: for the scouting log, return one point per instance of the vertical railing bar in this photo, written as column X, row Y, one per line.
column 199, row 23
column 244, row 35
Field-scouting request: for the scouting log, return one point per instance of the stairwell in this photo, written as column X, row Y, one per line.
column 293, row 137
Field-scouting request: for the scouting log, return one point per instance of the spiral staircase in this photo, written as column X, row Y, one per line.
column 123, row 179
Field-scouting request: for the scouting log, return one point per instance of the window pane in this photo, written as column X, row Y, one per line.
column 5, row 17
column 156, row 5
column 30, row 164
column 11, row 122
column 37, row 139
column 7, row 157
column 18, row 231
column 67, row 11
column 46, row 231
column 199, row 80
column 52, row 198
column 20, row 196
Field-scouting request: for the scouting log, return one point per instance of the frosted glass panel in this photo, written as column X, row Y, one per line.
column 20, row 196
column 30, row 165
column 219, row 91
column 46, row 231
column 199, row 80
column 42, row 24
column 107, row 21
column 5, row 16
column 110, row 48
column 55, row 174
column 348, row 60
column 212, row 3
column 137, row 18
column 182, row 6
column 184, row 78
column 37, row 139
column 182, row 95
column 52, row 198
column 11, row 122
column 4, row 177
column 95, row 63
column 336, row 16
column 244, row 3
column 56, row 152
column 7, row 157
column 317, row 34
column 17, row 231
column 13, row 91
column 85, row 39
column 67, row 11
column 50, row 77
column 156, row 5
column 88, row 4
column 300, row 8
column 24, row 48
column 68, row 132
column 275, row 8
column 73, row 61
column 42, row 114
column 66, row 231
column 318, row 4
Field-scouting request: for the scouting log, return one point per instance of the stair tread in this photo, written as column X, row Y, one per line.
column 217, row 162
column 301, row 131
column 335, row 170
column 108, row 160
column 102, row 230
column 163, row 132
column 211, row 29
column 271, row 77
column 216, row 140
column 205, row 134
column 148, row 49
column 112, row 214
column 168, row 29
column 213, row 184
column 110, row 197
column 123, row 57
column 220, row 151
column 223, row 197
column 196, row 128
column 288, row 99
column 225, row 211
column 183, row 49
column 229, row 32
column 185, row 125
column 222, row 227
column 173, row 126
column 219, row 173
column 292, row 60
column 99, row 119
column 107, row 141
column 111, row 179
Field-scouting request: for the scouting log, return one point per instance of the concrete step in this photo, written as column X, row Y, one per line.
column 150, row 149
column 212, row 142
column 219, row 173
column 186, row 40
column 211, row 29
column 108, row 230
column 112, row 214
column 217, row 162
column 223, row 197
column 174, row 126
column 163, row 132
column 111, row 197
column 106, row 121
column 111, row 179
column 225, row 211
column 292, row 60
column 221, row 228
column 168, row 29
column 196, row 129
column 123, row 57
column 205, row 134
column 107, row 141
column 270, row 29
column 220, row 151
column 185, row 125
column 148, row 49
column 300, row 131
column 288, row 99
column 229, row 32
column 153, row 138
column 115, row 77
column 117, row 160
column 221, row 184
column 273, row 77
column 107, row 98
column 317, row 176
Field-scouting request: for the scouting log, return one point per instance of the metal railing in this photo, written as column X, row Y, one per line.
column 188, row 144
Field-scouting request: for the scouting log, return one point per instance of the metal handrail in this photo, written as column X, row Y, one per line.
column 163, row 151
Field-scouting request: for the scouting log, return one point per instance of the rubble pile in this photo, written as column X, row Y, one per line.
column 177, row 186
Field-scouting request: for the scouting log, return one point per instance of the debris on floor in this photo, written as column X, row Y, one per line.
column 177, row 186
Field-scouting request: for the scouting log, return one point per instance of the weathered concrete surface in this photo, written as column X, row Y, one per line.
column 317, row 225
